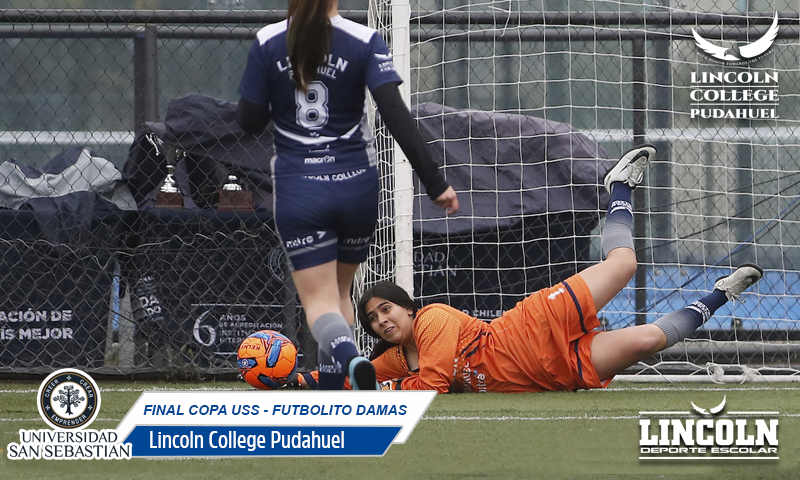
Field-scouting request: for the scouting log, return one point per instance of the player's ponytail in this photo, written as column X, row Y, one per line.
column 308, row 39
column 387, row 291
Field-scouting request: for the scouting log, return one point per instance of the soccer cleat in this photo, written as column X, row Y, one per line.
column 630, row 168
column 734, row 284
column 362, row 374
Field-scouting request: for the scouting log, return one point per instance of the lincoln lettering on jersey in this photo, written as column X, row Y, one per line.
column 330, row 65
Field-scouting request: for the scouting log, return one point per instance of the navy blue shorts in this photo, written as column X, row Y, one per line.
column 327, row 217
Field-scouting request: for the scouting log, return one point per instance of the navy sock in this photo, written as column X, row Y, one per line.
column 336, row 349
column 331, row 375
column 682, row 323
column 618, row 230
column 345, row 350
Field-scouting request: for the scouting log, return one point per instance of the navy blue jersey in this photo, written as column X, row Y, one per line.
column 320, row 132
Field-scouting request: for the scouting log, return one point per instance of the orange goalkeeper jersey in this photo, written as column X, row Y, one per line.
column 541, row 344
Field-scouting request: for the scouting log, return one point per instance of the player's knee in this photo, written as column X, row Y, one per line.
column 650, row 340
column 629, row 265
column 624, row 260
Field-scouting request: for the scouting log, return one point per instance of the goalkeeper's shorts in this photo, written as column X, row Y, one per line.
column 548, row 337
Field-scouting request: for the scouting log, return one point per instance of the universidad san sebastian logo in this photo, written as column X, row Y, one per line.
column 68, row 400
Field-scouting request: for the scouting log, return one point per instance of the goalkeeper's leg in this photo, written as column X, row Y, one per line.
column 606, row 279
column 616, row 350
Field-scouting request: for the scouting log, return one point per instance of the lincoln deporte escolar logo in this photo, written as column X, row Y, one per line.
column 708, row 433
column 746, row 52
column 710, row 411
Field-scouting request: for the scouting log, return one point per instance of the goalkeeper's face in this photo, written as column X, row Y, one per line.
column 390, row 321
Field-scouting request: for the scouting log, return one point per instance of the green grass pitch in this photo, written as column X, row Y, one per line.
column 586, row 434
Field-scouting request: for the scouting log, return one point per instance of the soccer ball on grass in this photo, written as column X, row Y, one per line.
column 267, row 360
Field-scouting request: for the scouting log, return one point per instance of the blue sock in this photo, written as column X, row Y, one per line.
column 331, row 375
column 682, row 323
column 336, row 348
column 618, row 230
column 345, row 350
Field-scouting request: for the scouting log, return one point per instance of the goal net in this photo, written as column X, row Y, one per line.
column 723, row 190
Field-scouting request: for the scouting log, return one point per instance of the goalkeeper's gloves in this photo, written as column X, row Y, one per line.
column 395, row 384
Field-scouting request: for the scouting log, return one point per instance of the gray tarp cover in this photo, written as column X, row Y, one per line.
column 503, row 166
column 506, row 166
column 63, row 195
column 207, row 126
column 206, row 129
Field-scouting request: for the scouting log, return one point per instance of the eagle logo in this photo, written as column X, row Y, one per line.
column 746, row 52
column 710, row 411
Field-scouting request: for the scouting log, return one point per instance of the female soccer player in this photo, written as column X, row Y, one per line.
column 309, row 74
column 548, row 341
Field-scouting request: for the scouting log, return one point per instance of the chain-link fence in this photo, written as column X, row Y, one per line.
column 136, row 222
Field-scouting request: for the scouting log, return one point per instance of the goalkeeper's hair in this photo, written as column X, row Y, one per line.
column 387, row 291
column 380, row 347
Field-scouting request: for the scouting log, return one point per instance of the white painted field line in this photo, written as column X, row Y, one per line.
column 616, row 389
column 737, row 388
column 148, row 389
column 507, row 418
column 567, row 417
column 34, row 419
column 454, row 418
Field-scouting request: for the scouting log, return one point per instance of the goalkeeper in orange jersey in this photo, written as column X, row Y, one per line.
column 548, row 341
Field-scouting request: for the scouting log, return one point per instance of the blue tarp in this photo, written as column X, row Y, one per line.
column 773, row 303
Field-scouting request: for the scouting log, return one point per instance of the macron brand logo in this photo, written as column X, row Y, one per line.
column 746, row 52
column 681, row 435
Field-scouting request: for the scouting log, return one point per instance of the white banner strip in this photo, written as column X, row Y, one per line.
column 280, row 408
